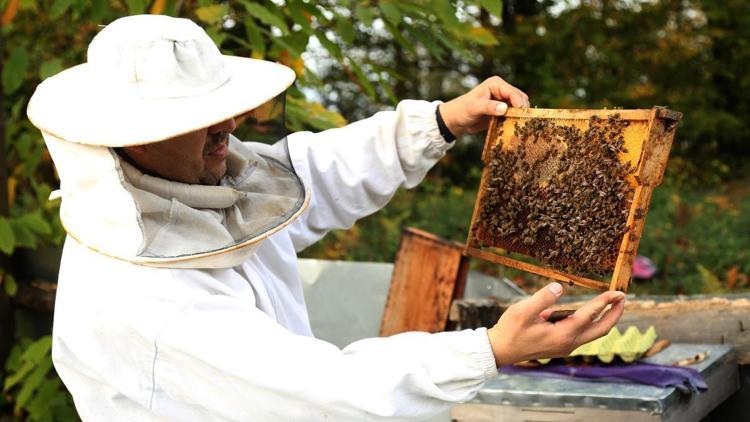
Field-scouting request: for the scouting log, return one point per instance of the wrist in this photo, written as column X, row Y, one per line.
column 498, row 349
column 448, row 135
column 447, row 114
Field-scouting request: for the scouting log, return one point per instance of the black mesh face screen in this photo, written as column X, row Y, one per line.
column 265, row 123
column 259, row 192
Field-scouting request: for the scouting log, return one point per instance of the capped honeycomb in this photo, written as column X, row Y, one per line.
column 569, row 190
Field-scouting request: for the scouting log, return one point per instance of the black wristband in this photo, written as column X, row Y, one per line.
column 447, row 134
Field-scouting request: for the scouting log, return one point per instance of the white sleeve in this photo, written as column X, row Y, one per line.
column 230, row 360
column 355, row 170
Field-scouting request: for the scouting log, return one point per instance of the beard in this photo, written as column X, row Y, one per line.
column 212, row 175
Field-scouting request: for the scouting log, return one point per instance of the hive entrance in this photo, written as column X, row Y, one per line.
column 569, row 190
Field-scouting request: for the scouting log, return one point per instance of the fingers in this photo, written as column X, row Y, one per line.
column 501, row 90
column 495, row 108
column 544, row 315
column 588, row 313
column 542, row 299
column 604, row 325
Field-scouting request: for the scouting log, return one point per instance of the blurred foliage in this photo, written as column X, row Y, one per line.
column 36, row 394
column 699, row 239
column 688, row 55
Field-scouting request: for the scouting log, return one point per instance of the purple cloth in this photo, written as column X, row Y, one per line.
column 686, row 380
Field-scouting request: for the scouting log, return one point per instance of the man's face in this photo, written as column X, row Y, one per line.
column 198, row 157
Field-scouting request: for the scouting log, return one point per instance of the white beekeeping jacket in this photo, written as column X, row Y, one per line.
column 141, row 343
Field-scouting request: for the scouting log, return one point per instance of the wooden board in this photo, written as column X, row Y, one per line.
column 428, row 274
column 713, row 321
column 648, row 140
column 493, row 413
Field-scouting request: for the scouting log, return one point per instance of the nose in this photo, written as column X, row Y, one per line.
column 228, row 126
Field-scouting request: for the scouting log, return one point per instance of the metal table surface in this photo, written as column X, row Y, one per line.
column 719, row 369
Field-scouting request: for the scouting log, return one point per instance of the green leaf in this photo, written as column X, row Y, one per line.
column 711, row 283
column 446, row 12
column 313, row 114
column 14, row 70
column 479, row 35
column 43, row 401
column 493, row 6
column 136, row 7
column 454, row 47
column 42, row 192
column 332, row 47
column 400, row 39
column 435, row 49
column 345, row 29
column 366, row 14
column 391, row 12
column 24, row 236
column 297, row 42
column 255, row 37
column 366, row 84
column 314, row 9
column 37, row 350
column 33, row 382
column 28, row 5
column 58, row 8
column 14, row 362
column 49, row 68
column 285, row 44
column 413, row 9
column 10, row 285
column 298, row 17
column 98, row 9
column 16, row 377
column 7, row 239
column 211, row 14
column 387, row 87
column 216, row 35
column 241, row 41
column 36, row 223
column 264, row 15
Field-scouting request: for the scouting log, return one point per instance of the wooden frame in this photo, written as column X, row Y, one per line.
column 654, row 146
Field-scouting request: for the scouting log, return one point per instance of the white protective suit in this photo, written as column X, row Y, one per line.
column 139, row 343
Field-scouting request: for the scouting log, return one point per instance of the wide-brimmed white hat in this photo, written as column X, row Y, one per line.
column 149, row 78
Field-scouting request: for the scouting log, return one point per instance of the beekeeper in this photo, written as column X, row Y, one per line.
column 179, row 298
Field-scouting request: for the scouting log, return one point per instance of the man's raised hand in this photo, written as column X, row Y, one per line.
column 471, row 112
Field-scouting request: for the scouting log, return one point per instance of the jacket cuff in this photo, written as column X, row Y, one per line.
column 418, row 140
column 485, row 358
column 422, row 123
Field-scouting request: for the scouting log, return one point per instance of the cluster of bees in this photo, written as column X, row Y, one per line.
column 559, row 194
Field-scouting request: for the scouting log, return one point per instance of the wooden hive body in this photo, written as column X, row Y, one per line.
column 644, row 138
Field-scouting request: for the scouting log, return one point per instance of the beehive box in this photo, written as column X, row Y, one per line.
column 564, row 193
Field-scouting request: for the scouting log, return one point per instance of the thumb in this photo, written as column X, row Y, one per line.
column 543, row 299
column 495, row 108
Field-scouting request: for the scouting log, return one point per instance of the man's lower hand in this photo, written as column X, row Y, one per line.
column 523, row 332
